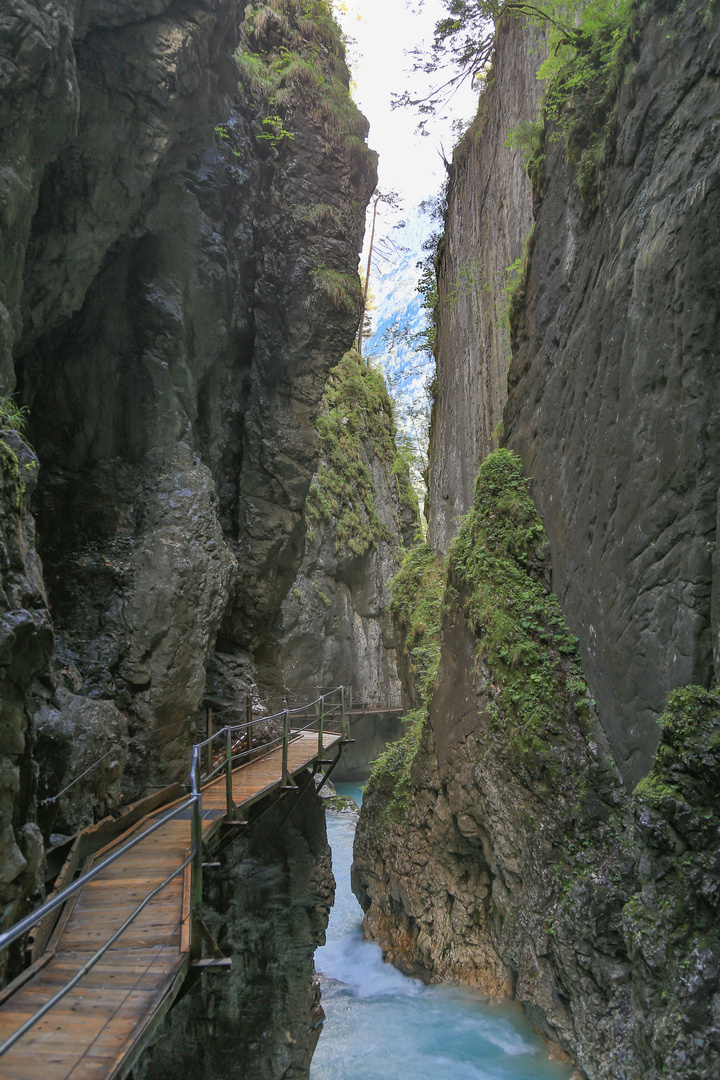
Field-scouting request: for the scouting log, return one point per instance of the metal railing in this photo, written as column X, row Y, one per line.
column 236, row 744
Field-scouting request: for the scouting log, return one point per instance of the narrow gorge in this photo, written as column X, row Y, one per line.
column 210, row 512
column 549, row 829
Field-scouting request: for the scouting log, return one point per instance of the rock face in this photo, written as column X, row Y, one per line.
column 371, row 733
column 488, row 218
column 267, row 907
column 518, row 863
column 26, row 641
column 613, row 401
column 362, row 512
column 473, row 889
column 503, row 848
column 73, row 733
column 476, row 873
column 671, row 925
column 170, row 311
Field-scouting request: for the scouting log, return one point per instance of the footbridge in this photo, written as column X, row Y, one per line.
column 122, row 935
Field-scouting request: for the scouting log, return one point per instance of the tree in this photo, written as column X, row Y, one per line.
column 463, row 42
column 392, row 200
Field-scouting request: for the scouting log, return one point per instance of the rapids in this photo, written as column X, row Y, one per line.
column 382, row 1025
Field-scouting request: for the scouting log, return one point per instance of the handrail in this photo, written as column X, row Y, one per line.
column 59, row 899
column 6, row 939
column 194, row 858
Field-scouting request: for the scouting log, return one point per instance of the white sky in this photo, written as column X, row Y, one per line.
column 384, row 31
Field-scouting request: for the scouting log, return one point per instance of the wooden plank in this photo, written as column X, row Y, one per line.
column 54, row 1067
column 98, row 837
column 62, row 921
column 143, row 1035
column 121, row 975
column 97, row 1008
column 41, row 934
column 142, row 938
column 24, row 976
column 132, row 813
column 101, row 905
column 91, row 1067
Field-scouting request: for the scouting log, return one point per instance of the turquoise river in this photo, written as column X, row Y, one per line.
column 382, row 1025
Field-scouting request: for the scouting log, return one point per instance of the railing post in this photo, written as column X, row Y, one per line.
column 320, row 714
column 229, row 805
column 344, row 726
column 286, row 736
column 249, row 719
column 210, row 745
column 196, row 864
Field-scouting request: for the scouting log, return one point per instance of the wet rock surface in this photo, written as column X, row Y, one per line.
column 336, row 622
column 550, row 879
column 539, row 878
column 503, row 850
column 336, row 627
column 671, row 924
column 487, row 881
column 26, row 642
column 80, row 744
column 267, row 907
column 611, row 395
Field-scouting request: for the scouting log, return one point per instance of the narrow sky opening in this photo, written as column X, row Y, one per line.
column 383, row 34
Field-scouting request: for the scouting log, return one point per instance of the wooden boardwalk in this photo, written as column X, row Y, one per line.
column 100, row 1027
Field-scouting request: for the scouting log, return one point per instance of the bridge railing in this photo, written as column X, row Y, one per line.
column 232, row 744
column 233, row 749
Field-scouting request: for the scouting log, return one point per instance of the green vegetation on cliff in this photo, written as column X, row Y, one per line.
column 690, row 723
column 357, row 417
column 499, row 562
column 12, row 419
column 416, row 606
column 671, row 923
column 293, row 54
column 343, row 290
column 417, row 594
column 498, row 567
column 588, row 52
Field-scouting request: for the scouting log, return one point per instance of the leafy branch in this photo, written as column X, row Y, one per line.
column 464, row 41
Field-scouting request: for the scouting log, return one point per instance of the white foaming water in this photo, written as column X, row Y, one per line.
column 382, row 1025
column 358, row 965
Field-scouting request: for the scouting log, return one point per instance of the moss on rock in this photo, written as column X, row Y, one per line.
column 292, row 55
column 500, row 562
column 356, row 416
column 671, row 923
column 417, row 594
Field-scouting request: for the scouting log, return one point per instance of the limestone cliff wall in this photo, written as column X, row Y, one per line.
column 168, row 318
column 26, row 641
column 611, row 399
column 613, row 392
column 362, row 512
column 503, row 848
column 488, row 217
column 500, row 848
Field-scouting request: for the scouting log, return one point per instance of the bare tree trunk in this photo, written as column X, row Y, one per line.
column 367, row 278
